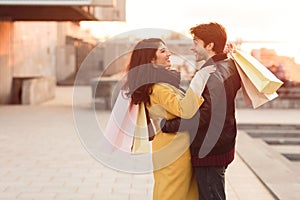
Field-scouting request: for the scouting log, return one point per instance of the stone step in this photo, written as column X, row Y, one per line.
column 282, row 141
column 274, row 169
column 295, row 157
column 272, row 127
column 290, row 149
column 275, row 134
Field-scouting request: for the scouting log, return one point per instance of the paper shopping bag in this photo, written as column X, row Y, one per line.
column 250, row 92
column 262, row 78
column 141, row 142
column 121, row 125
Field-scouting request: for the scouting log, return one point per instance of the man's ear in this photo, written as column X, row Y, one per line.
column 210, row 46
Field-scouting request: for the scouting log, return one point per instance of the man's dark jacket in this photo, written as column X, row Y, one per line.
column 213, row 129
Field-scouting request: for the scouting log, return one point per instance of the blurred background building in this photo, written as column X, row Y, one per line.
column 42, row 44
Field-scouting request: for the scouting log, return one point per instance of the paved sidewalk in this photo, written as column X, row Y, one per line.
column 41, row 157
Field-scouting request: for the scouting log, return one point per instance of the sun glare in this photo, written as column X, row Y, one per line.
column 253, row 21
column 258, row 24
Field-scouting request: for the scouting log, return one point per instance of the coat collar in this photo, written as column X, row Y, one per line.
column 215, row 58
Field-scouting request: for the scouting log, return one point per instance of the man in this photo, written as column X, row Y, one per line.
column 213, row 144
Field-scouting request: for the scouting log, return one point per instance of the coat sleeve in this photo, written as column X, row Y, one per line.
column 180, row 125
column 184, row 107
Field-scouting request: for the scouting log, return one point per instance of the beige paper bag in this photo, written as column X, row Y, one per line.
column 141, row 143
column 262, row 78
column 251, row 94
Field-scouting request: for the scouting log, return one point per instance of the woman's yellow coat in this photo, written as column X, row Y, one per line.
column 173, row 174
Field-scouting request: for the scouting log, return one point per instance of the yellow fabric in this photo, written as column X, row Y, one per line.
column 173, row 174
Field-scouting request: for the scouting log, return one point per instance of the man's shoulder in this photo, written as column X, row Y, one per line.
column 229, row 65
column 226, row 61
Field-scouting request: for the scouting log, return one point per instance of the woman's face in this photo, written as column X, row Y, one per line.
column 162, row 56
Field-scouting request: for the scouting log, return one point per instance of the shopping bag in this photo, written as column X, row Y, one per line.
column 250, row 92
column 121, row 125
column 141, row 142
column 262, row 78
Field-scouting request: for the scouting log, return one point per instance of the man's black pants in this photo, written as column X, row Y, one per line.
column 211, row 182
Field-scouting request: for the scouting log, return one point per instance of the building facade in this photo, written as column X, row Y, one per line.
column 41, row 44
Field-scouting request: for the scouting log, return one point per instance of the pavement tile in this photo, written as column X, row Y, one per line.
column 41, row 157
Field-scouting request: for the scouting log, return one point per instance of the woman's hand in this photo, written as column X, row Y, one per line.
column 200, row 79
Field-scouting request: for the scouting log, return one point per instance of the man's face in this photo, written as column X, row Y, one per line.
column 199, row 50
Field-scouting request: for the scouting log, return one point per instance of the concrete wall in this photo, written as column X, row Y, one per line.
column 115, row 56
column 65, row 62
column 40, row 51
column 6, row 69
column 73, row 46
column 34, row 48
column 38, row 90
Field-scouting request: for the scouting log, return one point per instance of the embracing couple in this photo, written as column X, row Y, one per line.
column 195, row 141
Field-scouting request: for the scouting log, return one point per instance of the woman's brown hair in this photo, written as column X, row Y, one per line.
column 143, row 53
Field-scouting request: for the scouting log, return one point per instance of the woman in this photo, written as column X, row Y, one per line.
column 151, row 82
